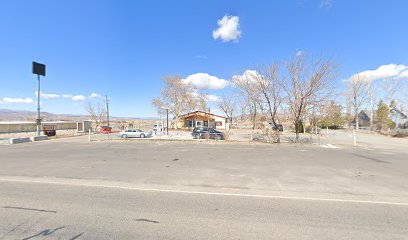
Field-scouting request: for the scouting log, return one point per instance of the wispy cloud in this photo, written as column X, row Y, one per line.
column 78, row 97
column 325, row 4
column 48, row 95
column 17, row 100
column 95, row 95
column 201, row 56
column 228, row 29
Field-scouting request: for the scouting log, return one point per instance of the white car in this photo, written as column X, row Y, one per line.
column 134, row 133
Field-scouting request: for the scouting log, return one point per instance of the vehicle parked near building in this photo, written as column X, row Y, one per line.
column 105, row 129
column 49, row 129
column 131, row 133
column 207, row 133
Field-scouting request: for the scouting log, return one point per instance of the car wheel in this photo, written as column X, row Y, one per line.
column 124, row 136
column 142, row 135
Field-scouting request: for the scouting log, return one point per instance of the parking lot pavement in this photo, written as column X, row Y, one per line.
column 250, row 168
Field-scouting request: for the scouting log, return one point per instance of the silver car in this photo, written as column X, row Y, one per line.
column 134, row 133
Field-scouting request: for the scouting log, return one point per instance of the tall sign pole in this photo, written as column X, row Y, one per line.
column 39, row 70
column 38, row 107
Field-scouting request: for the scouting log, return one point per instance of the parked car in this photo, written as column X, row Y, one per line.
column 277, row 127
column 105, row 129
column 134, row 133
column 207, row 133
column 49, row 129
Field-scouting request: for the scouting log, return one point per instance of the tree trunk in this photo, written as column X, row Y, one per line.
column 297, row 128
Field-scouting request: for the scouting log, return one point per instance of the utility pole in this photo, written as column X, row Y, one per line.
column 107, row 110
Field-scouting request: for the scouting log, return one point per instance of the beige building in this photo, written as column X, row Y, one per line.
column 201, row 119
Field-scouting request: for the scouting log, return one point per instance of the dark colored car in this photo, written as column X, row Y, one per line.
column 207, row 133
column 49, row 130
column 277, row 127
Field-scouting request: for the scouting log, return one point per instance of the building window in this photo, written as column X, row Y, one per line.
column 218, row 123
column 190, row 123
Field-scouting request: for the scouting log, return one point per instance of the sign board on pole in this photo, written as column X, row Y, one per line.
column 38, row 69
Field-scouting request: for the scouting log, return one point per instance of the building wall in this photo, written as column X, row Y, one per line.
column 17, row 127
column 220, row 122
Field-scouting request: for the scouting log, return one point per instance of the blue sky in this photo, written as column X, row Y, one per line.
column 124, row 48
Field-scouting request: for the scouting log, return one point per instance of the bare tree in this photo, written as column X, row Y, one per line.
column 308, row 82
column 177, row 96
column 97, row 111
column 269, row 86
column 200, row 102
column 357, row 95
column 227, row 106
column 247, row 86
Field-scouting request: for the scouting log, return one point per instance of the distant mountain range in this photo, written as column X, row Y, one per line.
column 23, row 115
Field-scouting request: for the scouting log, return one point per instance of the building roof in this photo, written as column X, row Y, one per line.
column 195, row 112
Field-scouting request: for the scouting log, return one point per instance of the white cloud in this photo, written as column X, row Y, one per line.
column 17, row 100
column 393, row 71
column 206, row 81
column 247, row 76
column 212, row 98
column 208, row 97
column 95, row 95
column 67, row 95
column 403, row 75
column 228, row 29
column 78, row 98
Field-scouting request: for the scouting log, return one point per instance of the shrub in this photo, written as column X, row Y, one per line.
column 401, row 134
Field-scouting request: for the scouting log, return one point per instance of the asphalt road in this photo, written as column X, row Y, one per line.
column 71, row 189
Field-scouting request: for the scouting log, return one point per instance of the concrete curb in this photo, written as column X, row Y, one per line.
column 19, row 140
column 26, row 139
column 38, row 138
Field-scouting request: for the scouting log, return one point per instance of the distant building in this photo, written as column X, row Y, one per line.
column 363, row 120
column 201, row 119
